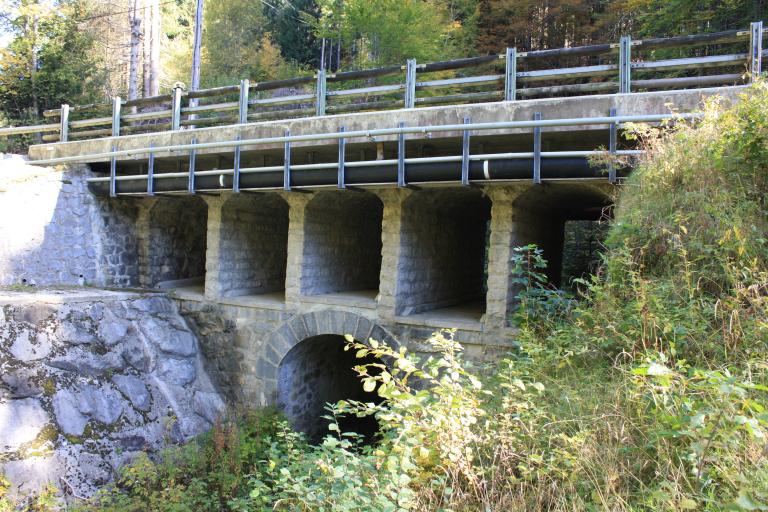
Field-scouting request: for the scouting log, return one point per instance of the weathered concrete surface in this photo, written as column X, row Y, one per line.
column 105, row 388
column 554, row 108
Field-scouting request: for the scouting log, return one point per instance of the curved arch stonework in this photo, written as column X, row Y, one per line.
column 306, row 325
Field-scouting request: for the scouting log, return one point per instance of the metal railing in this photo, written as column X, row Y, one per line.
column 342, row 165
column 513, row 75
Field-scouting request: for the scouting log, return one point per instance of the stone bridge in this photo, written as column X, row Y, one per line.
column 278, row 238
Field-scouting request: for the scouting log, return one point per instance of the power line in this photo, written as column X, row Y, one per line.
column 108, row 14
column 289, row 15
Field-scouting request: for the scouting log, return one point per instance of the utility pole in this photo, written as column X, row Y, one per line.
column 196, row 51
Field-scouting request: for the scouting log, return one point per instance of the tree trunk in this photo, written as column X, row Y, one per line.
column 197, row 47
column 196, row 55
column 146, row 48
column 33, row 71
column 154, row 67
column 133, row 73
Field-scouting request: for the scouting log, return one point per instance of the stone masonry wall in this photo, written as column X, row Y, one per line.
column 443, row 249
column 342, row 243
column 53, row 231
column 90, row 379
column 253, row 245
column 581, row 247
column 546, row 233
column 177, row 240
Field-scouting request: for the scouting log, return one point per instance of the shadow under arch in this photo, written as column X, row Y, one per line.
column 304, row 366
column 342, row 249
column 543, row 212
column 177, row 241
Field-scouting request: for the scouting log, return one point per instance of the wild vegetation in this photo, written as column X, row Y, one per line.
column 647, row 393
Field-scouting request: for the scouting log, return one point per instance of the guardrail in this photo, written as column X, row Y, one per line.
column 381, row 172
column 622, row 67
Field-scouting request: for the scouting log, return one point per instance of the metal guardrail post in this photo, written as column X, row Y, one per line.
column 287, row 163
column 151, row 172
column 113, row 174
column 116, row 105
column 510, row 81
column 401, row 182
column 242, row 116
column 236, row 169
column 342, row 158
column 465, row 155
column 176, row 109
column 64, row 130
column 537, row 150
column 756, row 50
column 612, row 148
column 410, row 83
column 320, row 90
column 192, row 158
column 625, row 64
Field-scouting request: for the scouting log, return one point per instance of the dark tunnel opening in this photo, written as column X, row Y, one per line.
column 316, row 372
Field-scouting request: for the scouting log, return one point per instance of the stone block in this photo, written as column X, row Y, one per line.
column 134, row 389
column 22, row 421
column 30, row 345
column 176, row 371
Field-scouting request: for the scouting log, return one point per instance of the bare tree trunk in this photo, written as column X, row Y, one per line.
column 33, row 72
column 146, row 48
column 135, row 42
column 197, row 47
column 154, row 67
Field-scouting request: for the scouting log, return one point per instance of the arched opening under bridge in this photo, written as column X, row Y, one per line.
column 318, row 371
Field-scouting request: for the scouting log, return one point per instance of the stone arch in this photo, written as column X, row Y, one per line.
column 318, row 326
column 303, row 326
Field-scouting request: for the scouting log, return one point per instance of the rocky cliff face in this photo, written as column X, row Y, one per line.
column 90, row 378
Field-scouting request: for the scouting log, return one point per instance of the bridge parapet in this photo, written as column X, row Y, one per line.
column 625, row 66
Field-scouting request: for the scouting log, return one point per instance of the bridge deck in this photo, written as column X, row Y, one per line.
column 505, row 141
column 661, row 102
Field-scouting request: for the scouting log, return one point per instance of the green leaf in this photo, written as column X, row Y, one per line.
column 688, row 504
column 746, row 502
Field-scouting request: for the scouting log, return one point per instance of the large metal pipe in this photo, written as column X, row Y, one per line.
column 386, row 173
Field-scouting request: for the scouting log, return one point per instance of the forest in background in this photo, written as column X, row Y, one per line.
column 83, row 51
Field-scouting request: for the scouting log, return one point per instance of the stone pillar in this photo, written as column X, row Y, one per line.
column 391, row 249
column 504, row 237
column 213, row 260
column 297, row 207
column 143, row 226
